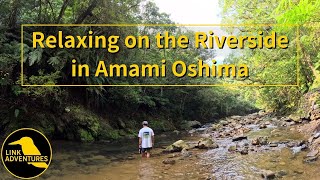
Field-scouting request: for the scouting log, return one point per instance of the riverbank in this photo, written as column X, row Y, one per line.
column 242, row 147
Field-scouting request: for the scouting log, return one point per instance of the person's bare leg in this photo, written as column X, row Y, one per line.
column 148, row 154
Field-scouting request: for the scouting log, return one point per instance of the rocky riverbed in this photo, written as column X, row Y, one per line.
column 256, row 146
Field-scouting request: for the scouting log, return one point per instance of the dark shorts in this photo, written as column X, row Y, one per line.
column 144, row 150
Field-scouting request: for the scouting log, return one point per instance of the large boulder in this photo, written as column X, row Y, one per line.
column 267, row 174
column 207, row 143
column 177, row 146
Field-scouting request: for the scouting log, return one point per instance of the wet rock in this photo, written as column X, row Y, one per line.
column 207, row 143
column 282, row 173
column 260, row 141
column 238, row 126
column 313, row 153
column 245, row 130
column 232, row 148
column 262, row 113
column 262, row 126
column 255, row 141
column 215, row 127
column 291, row 123
column 298, row 172
column 316, row 136
column 295, row 118
column 169, row 161
column 177, row 146
column 224, row 123
column 201, row 129
column 236, row 117
column 192, row 131
column 295, row 143
column 267, row 174
column 273, row 145
column 267, row 123
column 239, row 138
column 186, row 153
column 244, row 151
column 173, row 155
column 291, row 144
column 310, row 159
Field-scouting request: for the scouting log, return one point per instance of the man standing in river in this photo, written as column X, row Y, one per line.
column 146, row 139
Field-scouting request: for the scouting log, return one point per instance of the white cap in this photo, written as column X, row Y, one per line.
column 145, row 123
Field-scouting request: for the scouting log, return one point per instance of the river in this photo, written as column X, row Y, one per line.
column 120, row 160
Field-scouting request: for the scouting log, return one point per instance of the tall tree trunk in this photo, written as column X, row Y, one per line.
column 16, row 4
column 87, row 12
column 62, row 10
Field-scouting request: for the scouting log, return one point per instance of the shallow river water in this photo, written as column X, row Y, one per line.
column 109, row 161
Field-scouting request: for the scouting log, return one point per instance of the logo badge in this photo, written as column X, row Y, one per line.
column 26, row 153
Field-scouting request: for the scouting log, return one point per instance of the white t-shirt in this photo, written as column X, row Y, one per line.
column 145, row 134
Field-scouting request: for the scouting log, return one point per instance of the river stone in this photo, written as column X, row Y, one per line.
column 310, row 159
column 239, row 138
column 260, row 141
column 286, row 119
column 313, row 153
column 169, row 161
column 255, row 141
column 317, row 135
column 262, row 126
column 282, row 173
column 244, row 151
column 177, row 146
column 192, row 131
column 224, row 123
column 236, row 117
column 267, row 123
column 215, row 127
column 273, row 145
column 232, row 148
column 207, row 143
column 267, row 174
column 186, row 153
column 262, row 113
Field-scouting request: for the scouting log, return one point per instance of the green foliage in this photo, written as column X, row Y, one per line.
column 161, row 125
column 78, row 111
column 85, row 136
column 279, row 66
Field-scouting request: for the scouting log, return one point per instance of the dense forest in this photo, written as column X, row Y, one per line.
column 97, row 112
